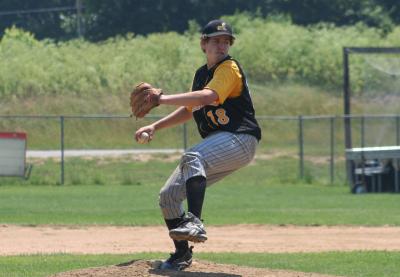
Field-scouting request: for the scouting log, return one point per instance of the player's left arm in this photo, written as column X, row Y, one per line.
column 194, row 98
column 225, row 83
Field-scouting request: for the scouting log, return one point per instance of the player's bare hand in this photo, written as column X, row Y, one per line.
column 147, row 129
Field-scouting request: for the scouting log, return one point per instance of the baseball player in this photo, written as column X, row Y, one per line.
column 221, row 105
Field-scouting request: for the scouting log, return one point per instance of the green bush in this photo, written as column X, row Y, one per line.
column 270, row 51
column 279, row 51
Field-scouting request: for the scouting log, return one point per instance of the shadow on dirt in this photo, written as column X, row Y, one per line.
column 154, row 270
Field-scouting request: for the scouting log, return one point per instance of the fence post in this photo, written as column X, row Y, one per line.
column 301, row 148
column 347, row 113
column 398, row 130
column 62, row 148
column 332, row 160
column 362, row 131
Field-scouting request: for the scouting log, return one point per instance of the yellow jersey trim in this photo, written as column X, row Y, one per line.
column 227, row 81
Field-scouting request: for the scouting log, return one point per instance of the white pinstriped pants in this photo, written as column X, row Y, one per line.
column 215, row 157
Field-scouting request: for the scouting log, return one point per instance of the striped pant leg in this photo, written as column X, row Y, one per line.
column 172, row 195
column 214, row 158
column 225, row 153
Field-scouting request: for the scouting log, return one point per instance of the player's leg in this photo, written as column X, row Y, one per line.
column 193, row 174
column 215, row 157
column 224, row 153
column 211, row 160
column 170, row 200
column 195, row 192
column 182, row 257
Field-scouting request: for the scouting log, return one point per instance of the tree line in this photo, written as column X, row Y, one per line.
column 102, row 19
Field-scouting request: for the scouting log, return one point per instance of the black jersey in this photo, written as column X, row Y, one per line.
column 235, row 115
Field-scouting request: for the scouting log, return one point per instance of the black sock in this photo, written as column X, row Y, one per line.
column 195, row 191
column 180, row 245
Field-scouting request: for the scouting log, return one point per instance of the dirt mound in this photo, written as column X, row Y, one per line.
column 199, row 268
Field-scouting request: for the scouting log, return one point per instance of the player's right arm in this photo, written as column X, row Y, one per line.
column 179, row 116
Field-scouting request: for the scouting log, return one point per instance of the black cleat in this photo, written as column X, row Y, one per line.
column 178, row 260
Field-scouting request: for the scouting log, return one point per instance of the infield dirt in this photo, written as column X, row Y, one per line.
column 17, row 240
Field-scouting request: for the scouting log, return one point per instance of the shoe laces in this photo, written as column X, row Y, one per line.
column 189, row 217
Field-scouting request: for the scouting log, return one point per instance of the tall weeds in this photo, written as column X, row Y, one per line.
column 270, row 51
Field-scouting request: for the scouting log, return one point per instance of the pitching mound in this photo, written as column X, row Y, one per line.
column 199, row 268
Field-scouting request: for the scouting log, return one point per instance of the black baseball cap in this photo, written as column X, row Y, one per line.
column 217, row 27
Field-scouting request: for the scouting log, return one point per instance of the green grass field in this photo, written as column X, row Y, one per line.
column 102, row 192
column 263, row 198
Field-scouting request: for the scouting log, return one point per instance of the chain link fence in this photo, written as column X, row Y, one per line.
column 308, row 147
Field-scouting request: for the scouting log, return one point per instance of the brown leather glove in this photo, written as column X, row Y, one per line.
column 144, row 98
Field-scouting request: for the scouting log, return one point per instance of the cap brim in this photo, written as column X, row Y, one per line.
column 218, row 34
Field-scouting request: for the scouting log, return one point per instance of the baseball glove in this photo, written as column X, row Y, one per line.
column 144, row 98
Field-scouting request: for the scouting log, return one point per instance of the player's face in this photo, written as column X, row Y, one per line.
column 217, row 48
